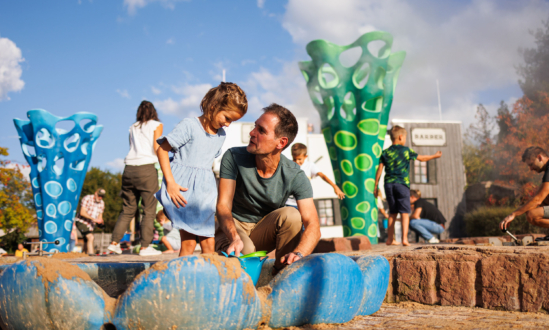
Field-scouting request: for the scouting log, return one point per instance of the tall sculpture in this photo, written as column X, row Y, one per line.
column 59, row 161
column 354, row 104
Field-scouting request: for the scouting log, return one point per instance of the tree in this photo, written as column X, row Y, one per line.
column 504, row 120
column 112, row 183
column 536, row 65
column 526, row 128
column 16, row 207
column 478, row 148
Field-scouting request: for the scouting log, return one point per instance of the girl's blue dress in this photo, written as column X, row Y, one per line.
column 195, row 151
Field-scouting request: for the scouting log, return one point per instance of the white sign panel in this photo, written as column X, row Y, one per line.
column 428, row 137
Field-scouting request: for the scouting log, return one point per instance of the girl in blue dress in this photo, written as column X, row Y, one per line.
column 189, row 192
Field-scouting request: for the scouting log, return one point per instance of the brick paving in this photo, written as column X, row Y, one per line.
column 411, row 315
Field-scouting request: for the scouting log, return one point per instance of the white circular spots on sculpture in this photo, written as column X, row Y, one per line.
column 64, row 207
column 38, row 199
column 71, row 185
column 53, row 189
column 44, row 245
column 35, row 183
column 51, row 211
column 61, row 241
column 68, row 225
column 50, row 227
column 39, row 214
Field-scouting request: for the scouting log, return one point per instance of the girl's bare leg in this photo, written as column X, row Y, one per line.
column 391, row 230
column 188, row 243
column 405, row 224
column 207, row 244
column 168, row 245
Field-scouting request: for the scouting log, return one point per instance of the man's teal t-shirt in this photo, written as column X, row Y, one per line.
column 254, row 196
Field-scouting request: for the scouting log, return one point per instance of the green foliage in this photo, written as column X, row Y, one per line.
column 484, row 221
column 16, row 208
column 112, row 183
column 478, row 151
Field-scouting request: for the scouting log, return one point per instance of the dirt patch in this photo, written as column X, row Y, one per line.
column 156, row 267
column 248, row 291
column 266, row 306
column 50, row 269
column 229, row 269
column 69, row 255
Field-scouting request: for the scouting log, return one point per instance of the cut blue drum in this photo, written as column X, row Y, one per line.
column 58, row 159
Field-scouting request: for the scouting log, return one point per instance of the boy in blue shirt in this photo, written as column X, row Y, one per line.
column 396, row 160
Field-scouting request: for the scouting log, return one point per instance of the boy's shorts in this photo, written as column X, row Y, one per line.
column 174, row 242
column 398, row 197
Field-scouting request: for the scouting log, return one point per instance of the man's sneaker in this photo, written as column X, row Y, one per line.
column 115, row 248
column 434, row 240
column 149, row 251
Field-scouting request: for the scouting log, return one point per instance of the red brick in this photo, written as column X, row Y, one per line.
column 457, row 283
column 416, row 281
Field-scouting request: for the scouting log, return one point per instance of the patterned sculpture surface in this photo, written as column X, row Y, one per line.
column 59, row 161
column 354, row 104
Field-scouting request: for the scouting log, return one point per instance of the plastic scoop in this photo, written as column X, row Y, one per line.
column 255, row 254
column 251, row 263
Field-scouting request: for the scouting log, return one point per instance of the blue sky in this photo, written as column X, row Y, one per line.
column 105, row 57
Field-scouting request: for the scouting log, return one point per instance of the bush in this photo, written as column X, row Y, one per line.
column 484, row 221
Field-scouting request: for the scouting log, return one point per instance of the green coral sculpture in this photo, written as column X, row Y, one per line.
column 354, row 104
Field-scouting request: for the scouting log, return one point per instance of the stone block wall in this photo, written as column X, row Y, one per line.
column 515, row 279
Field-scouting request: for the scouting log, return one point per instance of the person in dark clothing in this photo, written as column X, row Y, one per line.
column 426, row 219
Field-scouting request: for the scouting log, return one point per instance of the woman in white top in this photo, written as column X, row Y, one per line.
column 140, row 179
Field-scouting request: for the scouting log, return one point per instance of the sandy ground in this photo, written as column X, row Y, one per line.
column 411, row 315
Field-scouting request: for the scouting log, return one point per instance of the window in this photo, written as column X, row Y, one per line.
column 423, row 172
column 420, row 172
column 325, row 208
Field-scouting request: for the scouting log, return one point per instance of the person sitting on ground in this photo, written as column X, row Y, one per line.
column 537, row 208
column 299, row 155
column 255, row 183
column 396, row 161
column 171, row 238
column 426, row 219
column 90, row 215
column 20, row 250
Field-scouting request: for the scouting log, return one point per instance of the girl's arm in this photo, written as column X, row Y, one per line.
column 157, row 134
column 337, row 191
column 171, row 186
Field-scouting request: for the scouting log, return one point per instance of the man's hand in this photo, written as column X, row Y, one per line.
column 438, row 154
column 503, row 225
column 376, row 192
column 236, row 246
column 289, row 258
column 339, row 193
column 99, row 221
column 173, row 190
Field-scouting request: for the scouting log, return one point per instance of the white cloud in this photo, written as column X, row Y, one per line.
column 469, row 47
column 133, row 5
column 124, row 93
column 116, row 164
column 10, row 69
column 260, row 3
column 170, row 41
column 155, row 90
column 188, row 105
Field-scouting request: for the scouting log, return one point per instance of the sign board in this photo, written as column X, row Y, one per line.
column 428, row 137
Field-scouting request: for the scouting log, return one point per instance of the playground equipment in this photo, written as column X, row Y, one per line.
column 354, row 102
column 59, row 160
column 207, row 291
